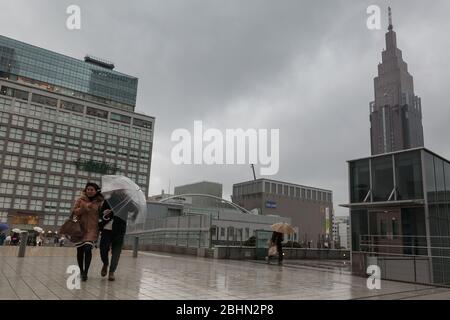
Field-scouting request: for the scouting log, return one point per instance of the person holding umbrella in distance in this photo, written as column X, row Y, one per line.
column 279, row 229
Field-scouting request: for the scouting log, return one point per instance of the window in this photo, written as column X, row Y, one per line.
column 13, row 147
column 48, row 126
column 134, row 155
column 3, row 216
column 60, row 142
column 66, row 194
column 6, row 188
column 44, row 100
column 62, row 129
column 20, row 107
column 111, row 151
column 24, row 176
column 4, row 117
column 10, row 92
column 314, row 195
column 145, row 146
column 309, row 194
column 35, row 110
column 45, row 139
column 297, row 192
column 5, row 202
column 11, row 161
column 100, row 137
column 36, row 205
column 71, row 156
column 50, row 206
column 88, row 135
column 75, row 107
column 382, row 178
column 68, row 182
column 33, row 124
column 23, row 190
column 16, row 133
column 120, row 118
column 56, row 167
column 132, row 166
column 2, row 131
column 96, row 113
column 9, row 174
column 29, row 149
column 40, row 178
column 86, row 146
column 31, row 136
column 18, row 121
column 142, row 123
column 44, row 152
column 134, row 144
column 27, row 163
column 49, row 219
column 75, row 132
column 20, row 203
column 90, row 122
column 37, row 192
column 222, row 232
column 73, row 143
column 123, row 142
column 291, row 191
column 70, row 169
column 58, row 154
column 49, row 113
column 54, row 180
column 52, row 193
column 143, row 167
column 122, row 152
column 409, row 175
column 112, row 140
column 142, row 180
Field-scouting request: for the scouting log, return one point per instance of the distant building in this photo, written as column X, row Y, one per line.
column 173, row 222
column 204, row 188
column 396, row 113
column 343, row 232
column 310, row 209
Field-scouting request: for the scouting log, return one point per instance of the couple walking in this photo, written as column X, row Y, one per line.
column 96, row 216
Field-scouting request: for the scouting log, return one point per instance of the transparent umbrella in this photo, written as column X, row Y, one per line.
column 125, row 197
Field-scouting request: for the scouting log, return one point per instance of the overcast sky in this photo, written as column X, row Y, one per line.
column 304, row 67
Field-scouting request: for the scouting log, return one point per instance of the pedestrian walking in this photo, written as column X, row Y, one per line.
column 86, row 209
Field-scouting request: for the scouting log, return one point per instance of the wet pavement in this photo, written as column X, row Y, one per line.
column 162, row 276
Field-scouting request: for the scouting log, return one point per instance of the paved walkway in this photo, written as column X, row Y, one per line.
column 42, row 275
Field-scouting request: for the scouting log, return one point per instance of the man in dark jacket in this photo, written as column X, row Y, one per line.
column 277, row 239
column 113, row 231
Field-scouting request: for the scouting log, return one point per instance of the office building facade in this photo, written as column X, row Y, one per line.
column 64, row 122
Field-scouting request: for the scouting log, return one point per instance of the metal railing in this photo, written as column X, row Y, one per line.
column 420, row 259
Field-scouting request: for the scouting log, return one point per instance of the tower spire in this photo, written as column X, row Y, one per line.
column 391, row 27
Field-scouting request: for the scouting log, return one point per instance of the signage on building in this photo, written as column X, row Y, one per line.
column 271, row 204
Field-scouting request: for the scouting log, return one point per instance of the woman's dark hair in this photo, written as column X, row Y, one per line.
column 93, row 185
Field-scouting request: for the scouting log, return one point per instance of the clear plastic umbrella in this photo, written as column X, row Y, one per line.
column 126, row 199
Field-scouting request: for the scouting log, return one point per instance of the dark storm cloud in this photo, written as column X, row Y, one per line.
column 305, row 67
